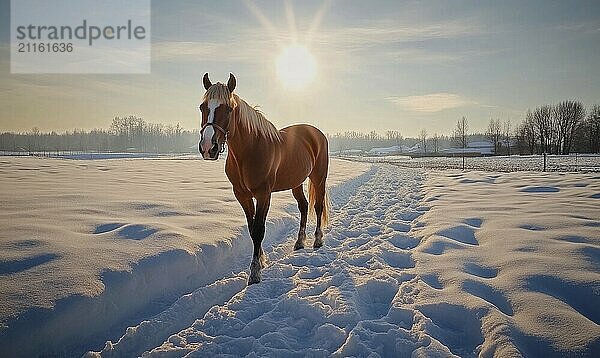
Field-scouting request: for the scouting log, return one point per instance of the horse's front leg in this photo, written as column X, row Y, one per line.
column 245, row 200
column 257, row 233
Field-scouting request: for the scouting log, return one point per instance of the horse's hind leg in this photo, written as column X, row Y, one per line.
column 319, row 207
column 303, row 207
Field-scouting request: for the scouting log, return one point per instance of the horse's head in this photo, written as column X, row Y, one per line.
column 216, row 110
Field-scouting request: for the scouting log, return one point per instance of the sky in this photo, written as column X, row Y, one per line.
column 379, row 65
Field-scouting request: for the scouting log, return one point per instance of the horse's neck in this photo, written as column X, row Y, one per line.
column 242, row 140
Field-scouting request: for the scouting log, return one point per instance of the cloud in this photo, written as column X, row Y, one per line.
column 431, row 103
column 364, row 40
column 387, row 32
column 385, row 41
column 428, row 56
column 193, row 51
column 580, row 27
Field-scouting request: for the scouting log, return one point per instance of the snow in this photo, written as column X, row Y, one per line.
column 469, row 150
column 477, row 147
column 574, row 162
column 100, row 155
column 521, row 250
column 113, row 242
column 390, row 150
column 415, row 263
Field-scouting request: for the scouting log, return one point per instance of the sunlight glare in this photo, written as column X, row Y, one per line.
column 296, row 66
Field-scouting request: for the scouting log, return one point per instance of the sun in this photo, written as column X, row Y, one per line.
column 296, row 66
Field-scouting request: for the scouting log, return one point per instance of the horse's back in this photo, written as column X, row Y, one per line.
column 304, row 153
column 305, row 134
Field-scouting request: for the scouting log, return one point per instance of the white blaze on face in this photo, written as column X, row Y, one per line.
column 209, row 131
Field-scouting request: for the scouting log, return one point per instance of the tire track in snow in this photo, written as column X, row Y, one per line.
column 351, row 297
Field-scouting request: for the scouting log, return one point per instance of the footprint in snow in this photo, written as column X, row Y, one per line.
column 490, row 295
column 462, row 233
column 474, row 222
column 438, row 245
column 480, row 271
column 20, row 265
column 532, row 227
column 432, row 280
column 540, row 189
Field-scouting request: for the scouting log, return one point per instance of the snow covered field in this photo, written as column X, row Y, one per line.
column 434, row 264
column 558, row 163
column 415, row 262
column 107, row 243
column 95, row 156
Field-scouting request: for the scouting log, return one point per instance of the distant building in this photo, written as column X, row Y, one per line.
column 348, row 152
column 479, row 148
column 393, row 150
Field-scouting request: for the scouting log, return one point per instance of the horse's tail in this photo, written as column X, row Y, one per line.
column 313, row 196
column 325, row 216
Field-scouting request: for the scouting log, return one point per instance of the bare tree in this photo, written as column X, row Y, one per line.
column 423, row 139
column 33, row 143
column 394, row 137
column 529, row 132
column 435, row 141
column 593, row 124
column 507, row 134
column 542, row 117
column 460, row 136
column 461, row 132
column 520, row 135
column 494, row 133
column 567, row 117
column 587, row 137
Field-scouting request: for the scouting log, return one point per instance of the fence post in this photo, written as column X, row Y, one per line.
column 544, row 161
column 463, row 162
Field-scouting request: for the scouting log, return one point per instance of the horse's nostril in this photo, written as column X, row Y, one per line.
column 214, row 150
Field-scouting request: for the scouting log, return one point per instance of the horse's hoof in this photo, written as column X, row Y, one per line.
column 255, row 268
column 298, row 246
column 318, row 239
column 253, row 280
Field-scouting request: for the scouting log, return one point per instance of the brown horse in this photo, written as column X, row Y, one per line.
column 262, row 160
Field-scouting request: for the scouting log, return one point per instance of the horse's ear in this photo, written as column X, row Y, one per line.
column 206, row 81
column 231, row 83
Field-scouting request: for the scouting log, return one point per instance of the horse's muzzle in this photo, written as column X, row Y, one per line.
column 210, row 154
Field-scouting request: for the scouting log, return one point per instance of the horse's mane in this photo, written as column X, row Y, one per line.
column 249, row 117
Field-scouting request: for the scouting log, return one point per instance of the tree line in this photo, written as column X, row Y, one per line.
column 349, row 140
column 355, row 140
column 554, row 129
column 125, row 134
column 339, row 142
column 559, row 129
